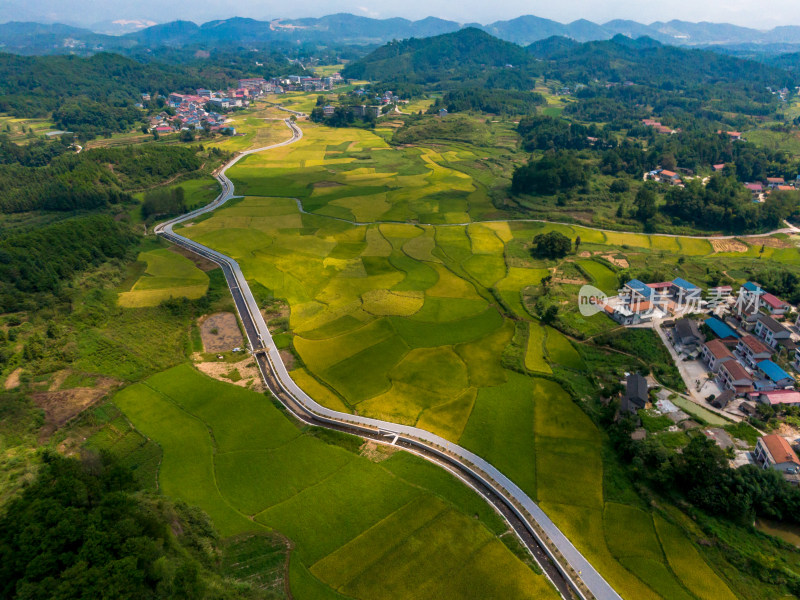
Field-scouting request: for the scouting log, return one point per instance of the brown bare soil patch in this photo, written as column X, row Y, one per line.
column 377, row 452
column 201, row 263
column 327, row 184
column 585, row 254
column 728, row 246
column 250, row 375
column 771, row 242
column 788, row 431
column 220, row 332
column 276, row 311
column 583, row 216
column 12, row 381
column 288, row 359
column 61, row 406
column 620, row 262
column 58, row 379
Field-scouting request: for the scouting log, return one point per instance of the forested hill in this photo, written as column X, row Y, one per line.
column 32, row 86
column 467, row 55
column 646, row 61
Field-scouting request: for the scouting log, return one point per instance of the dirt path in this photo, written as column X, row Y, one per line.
column 12, row 381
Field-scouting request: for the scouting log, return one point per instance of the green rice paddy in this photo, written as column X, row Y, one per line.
column 168, row 275
column 601, row 276
column 355, row 524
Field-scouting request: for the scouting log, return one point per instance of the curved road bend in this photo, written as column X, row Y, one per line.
column 584, row 580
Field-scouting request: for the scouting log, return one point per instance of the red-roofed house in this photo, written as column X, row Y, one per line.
column 784, row 188
column 774, row 452
column 734, row 135
column 774, row 305
column 719, row 167
column 733, row 376
column 671, row 175
column 753, row 350
column 780, row 397
column 662, row 287
column 775, row 181
column 715, row 352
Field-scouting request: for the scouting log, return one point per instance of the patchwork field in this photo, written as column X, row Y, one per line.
column 404, row 306
column 356, row 524
column 167, row 275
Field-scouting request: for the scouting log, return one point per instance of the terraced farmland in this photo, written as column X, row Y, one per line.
column 168, row 275
column 356, row 524
column 419, row 322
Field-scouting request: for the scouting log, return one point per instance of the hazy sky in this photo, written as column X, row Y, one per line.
column 752, row 13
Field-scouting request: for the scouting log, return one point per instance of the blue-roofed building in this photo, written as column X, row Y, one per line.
column 721, row 329
column 753, row 288
column 686, row 286
column 639, row 288
column 776, row 378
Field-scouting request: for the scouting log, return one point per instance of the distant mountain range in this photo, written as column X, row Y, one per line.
column 472, row 57
column 347, row 29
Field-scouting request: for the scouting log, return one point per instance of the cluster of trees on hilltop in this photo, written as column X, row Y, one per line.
column 140, row 166
column 692, row 106
column 458, row 128
column 540, row 132
column 91, row 179
column 647, row 62
column 725, row 204
column 96, row 94
column 81, row 530
column 555, row 172
column 91, row 118
column 342, row 116
column 164, row 202
column 488, row 100
column 35, row 153
column 66, row 185
column 694, row 150
column 466, row 57
column 701, row 473
column 34, row 265
column 34, row 86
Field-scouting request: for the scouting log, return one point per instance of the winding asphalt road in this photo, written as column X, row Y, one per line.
column 584, row 580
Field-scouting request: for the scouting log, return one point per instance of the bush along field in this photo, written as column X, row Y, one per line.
column 406, row 304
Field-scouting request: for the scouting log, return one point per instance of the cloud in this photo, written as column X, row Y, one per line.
column 374, row 14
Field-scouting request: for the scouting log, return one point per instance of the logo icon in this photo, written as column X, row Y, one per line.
column 591, row 300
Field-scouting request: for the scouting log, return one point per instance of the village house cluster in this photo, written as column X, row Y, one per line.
column 736, row 349
column 759, row 190
column 205, row 108
column 373, row 105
